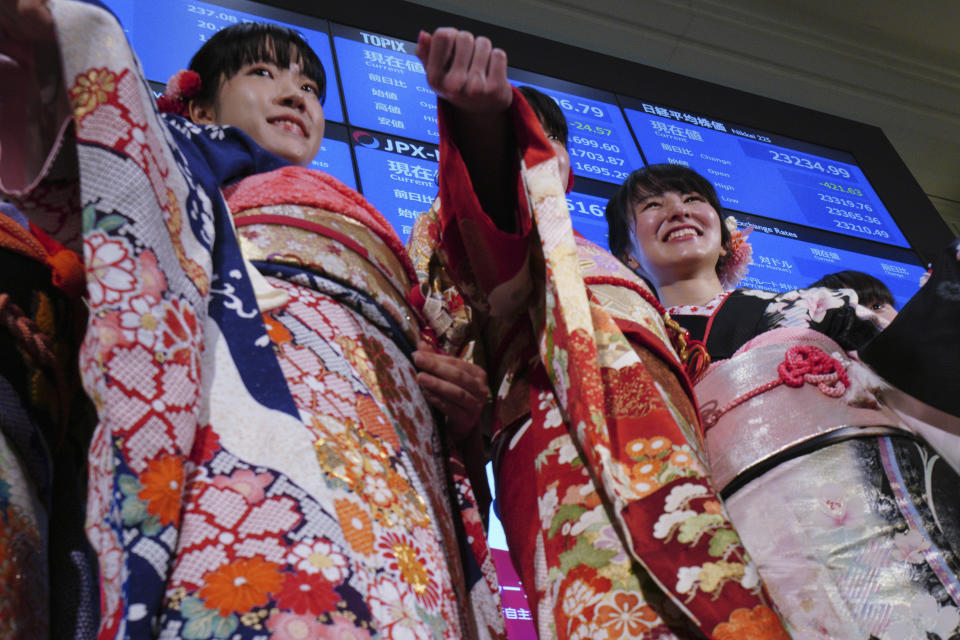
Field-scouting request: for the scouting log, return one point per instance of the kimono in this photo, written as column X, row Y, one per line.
column 847, row 509
column 264, row 464
column 46, row 564
column 610, row 516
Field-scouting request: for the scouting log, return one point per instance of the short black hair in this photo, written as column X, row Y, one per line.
column 655, row 180
column 547, row 111
column 869, row 290
column 222, row 56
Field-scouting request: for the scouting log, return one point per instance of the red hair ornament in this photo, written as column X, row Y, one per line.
column 182, row 87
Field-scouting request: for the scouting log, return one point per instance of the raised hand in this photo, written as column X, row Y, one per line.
column 453, row 386
column 471, row 76
column 465, row 71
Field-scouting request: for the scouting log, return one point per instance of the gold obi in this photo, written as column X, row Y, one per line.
column 333, row 246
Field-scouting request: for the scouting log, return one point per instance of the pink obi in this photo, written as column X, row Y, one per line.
column 781, row 395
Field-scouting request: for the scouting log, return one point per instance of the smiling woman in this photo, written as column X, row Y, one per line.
column 665, row 221
column 799, row 433
column 264, row 460
column 276, row 99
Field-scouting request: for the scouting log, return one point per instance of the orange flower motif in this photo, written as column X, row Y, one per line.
column 161, row 484
column 647, row 447
column 357, row 527
column 375, row 422
column 582, row 588
column 91, row 90
column 278, row 333
column 628, row 616
column 759, row 623
column 240, row 586
column 682, row 459
column 713, row 508
column 644, row 476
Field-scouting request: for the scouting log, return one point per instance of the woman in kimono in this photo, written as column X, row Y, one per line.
column 611, row 521
column 849, row 513
column 264, row 462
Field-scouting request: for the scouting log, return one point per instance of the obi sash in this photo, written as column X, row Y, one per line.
column 757, row 416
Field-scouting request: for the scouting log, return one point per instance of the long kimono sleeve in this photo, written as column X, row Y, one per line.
column 148, row 232
column 591, row 380
column 37, row 168
column 919, row 349
column 490, row 266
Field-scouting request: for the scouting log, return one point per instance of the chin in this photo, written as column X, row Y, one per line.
column 296, row 159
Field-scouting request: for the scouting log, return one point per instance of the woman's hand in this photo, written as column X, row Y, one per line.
column 467, row 72
column 471, row 76
column 453, row 386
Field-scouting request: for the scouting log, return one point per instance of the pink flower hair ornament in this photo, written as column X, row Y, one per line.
column 182, row 86
column 739, row 255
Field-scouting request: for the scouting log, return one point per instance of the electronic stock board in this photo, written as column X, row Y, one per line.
column 813, row 209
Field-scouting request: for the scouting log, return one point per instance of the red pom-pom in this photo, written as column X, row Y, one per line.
column 181, row 86
column 186, row 83
column 166, row 104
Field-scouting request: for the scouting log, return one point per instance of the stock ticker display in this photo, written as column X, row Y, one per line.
column 812, row 208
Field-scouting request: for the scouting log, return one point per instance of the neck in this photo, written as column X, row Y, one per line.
column 698, row 290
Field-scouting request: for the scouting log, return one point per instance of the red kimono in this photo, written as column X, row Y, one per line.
column 611, row 519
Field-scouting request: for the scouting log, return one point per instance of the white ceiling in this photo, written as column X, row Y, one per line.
column 889, row 63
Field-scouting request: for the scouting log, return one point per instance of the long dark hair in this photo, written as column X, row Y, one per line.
column 547, row 111
column 222, row 56
column 655, row 180
column 869, row 290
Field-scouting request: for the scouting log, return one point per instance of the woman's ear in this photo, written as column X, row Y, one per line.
column 201, row 113
column 723, row 251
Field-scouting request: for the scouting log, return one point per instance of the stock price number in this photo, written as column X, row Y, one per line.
column 592, row 128
column 853, row 215
column 806, row 163
column 590, row 142
column 211, row 13
column 596, row 156
column 862, row 206
column 579, row 206
column 842, row 189
column 580, row 107
column 600, row 171
column 859, row 228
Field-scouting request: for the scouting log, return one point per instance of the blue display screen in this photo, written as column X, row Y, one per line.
column 187, row 25
column 587, row 202
column 773, row 177
column 398, row 177
column 384, row 85
column 334, row 156
column 386, row 147
column 598, row 140
column 786, row 257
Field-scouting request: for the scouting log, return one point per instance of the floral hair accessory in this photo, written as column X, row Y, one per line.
column 739, row 253
column 181, row 87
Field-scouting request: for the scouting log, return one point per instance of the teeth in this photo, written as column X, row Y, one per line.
column 681, row 233
column 293, row 127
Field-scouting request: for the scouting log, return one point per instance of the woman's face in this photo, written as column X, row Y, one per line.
column 678, row 235
column 885, row 312
column 279, row 108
